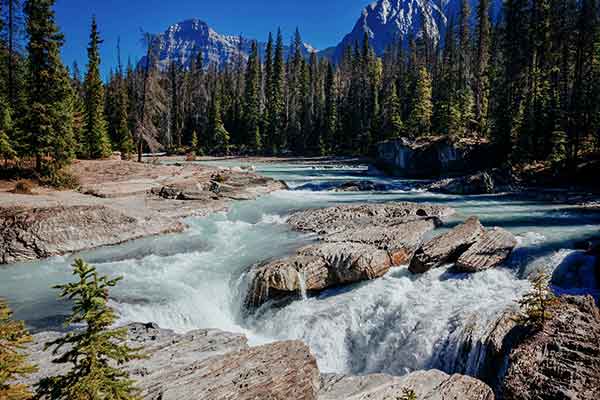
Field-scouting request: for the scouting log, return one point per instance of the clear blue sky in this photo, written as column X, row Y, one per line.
column 322, row 23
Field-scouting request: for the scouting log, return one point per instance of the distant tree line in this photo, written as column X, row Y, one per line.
column 528, row 82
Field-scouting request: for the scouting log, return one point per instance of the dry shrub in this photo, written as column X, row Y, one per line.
column 23, row 186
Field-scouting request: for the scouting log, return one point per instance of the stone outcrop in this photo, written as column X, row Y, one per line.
column 208, row 365
column 349, row 218
column 447, row 247
column 432, row 157
column 361, row 186
column 491, row 250
column 487, row 182
column 31, row 233
column 216, row 365
column 561, row 360
column 356, row 243
column 427, row 385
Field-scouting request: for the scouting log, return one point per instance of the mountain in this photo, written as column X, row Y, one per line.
column 386, row 21
column 182, row 42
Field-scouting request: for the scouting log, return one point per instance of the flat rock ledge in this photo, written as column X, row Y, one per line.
column 470, row 246
column 216, row 365
column 108, row 210
column 427, row 385
column 355, row 243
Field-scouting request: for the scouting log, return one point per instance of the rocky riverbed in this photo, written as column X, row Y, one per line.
column 117, row 201
column 363, row 294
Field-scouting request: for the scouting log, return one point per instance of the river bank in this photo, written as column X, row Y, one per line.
column 117, row 201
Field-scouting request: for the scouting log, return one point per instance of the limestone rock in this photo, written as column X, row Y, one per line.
column 31, row 233
column 447, row 247
column 341, row 218
column 560, row 361
column 357, row 243
column 317, row 267
column 206, row 364
column 427, row 385
column 491, row 250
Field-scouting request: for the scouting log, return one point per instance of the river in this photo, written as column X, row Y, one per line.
column 395, row 324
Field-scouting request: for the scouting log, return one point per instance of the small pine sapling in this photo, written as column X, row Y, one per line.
column 94, row 351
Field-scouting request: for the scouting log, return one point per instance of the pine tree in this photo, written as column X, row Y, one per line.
column 96, row 134
column 277, row 114
column 268, row 131
column 408, row 394
column 7, row 151
column 422, row 109
column 482, row 57
column 94, row 351
column 252, row 102
column 219, row 135
column 392, row 124
column 50, row 114
column 13, row 362
column 331, row 110
column 78, row 114
column 536, row 305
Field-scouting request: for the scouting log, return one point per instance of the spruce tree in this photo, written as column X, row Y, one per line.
column 13, row 361
column 277, row 113
column 482, row 57
column 268, row 134
column 50, row 115
column 7, row 151
column 95, row 353
column 537, row 303
column 422, row 109
column 252, row 95
column 331, row 110
column 219, row 135
column 96, row 134
column 392, row 124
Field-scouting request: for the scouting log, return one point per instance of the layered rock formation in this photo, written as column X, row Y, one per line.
column 206, row 364
column 216, row 365
column 30, row 233
column 356, row 243
column 447, row 247
column 489, row 251
column 430, row 385
column 560, row 361
column 469, row 246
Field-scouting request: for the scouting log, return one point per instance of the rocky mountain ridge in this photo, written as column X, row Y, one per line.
column 181, row 42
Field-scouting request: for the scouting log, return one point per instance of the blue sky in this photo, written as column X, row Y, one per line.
column 322, row 23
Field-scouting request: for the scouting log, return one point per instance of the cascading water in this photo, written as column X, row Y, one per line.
column 395, row 324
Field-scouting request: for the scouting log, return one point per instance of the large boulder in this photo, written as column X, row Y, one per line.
column 427, row 385
column 491, row 250
column 486, row 182
column 562, row 359
column 356, row 243
column 206, row 364
column 447, row 247
column 31, row 233
column 315, row 268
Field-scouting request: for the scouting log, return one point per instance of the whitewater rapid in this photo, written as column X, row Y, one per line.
column 395, row 324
